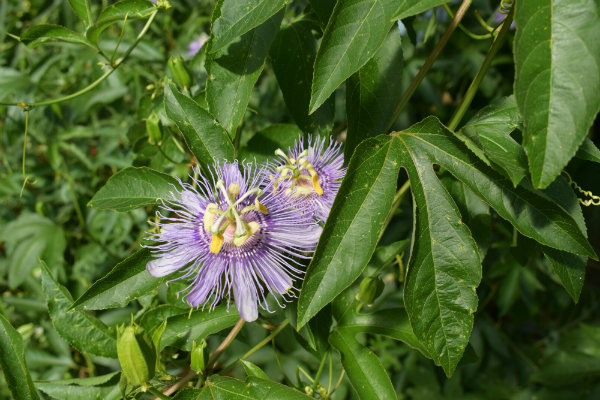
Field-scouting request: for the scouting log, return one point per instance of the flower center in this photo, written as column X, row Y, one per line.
column 304, row 179
column 229, row 226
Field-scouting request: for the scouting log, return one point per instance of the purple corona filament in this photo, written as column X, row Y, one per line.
column 233, row 235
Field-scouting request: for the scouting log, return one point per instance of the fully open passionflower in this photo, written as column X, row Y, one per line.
column 311, row 174
column 233, row 236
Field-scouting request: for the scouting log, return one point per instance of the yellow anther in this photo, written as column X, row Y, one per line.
column 315, row 182
column 216, row 243
column 260, row 207
column 252, row 227
column 209, row 215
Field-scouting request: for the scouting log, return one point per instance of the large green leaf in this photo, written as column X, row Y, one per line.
column 184, row 328
column 83, row 10
column 44, row 33
column 104, row 387
column 83, row 331
column 354, row 33
column 293, row 56
column 352, row 229
column 12, row 361
column 490, row 131
column 408, row 8
column 444, row 268
column 254, row 387
column 367, row 375
column 234, row 70
column 557, row 85
column 132, row 188
column 205, row 137
column 127, row 281
column 117, row 12
column 233, row 18
column 372, row 93
column 530, row 211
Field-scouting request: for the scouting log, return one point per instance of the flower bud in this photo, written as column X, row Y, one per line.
column 180, row 72
column 154, row 128
column 370, row 288
column 199, row 356
column 136, row 354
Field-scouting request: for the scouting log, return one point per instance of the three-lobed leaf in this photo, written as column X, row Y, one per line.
column 132, row 188
column 557, row 82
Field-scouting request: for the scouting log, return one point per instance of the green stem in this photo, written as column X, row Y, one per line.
column 464, row 29
column 157, row 393
column 258, row 346
column 470, row 93
column 460, row 13
column 97, row 81
column 232, row 334
column 320, row 370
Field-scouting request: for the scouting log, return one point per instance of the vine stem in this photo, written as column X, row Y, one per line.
column 470, row 93
column 97, row 81
column 177, row 385
column 460, row 13
column 157, row 393
column 232, row 334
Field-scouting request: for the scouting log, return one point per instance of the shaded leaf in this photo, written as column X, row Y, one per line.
column 83, row 331
column 233, row 71
column 12, row 361
column 354, row 33
column 263, row 144
column 409, row 8
column 83, row 10
column 253, row 369
column 44, row 33
column 567, row 368
column 226, row 388
column 588, row 151
column 132, row 188
column 117, row 12
column 557, row 82
column 570, row 269
column 352, row 229
column 99, row 387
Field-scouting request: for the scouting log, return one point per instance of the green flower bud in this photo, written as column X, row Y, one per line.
column 136, row 353
column 199, row 356
column 370, row 288
column 154, row 128
column 180, row 71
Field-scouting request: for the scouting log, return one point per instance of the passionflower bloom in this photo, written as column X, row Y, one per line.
column 310, row 174
column 233, row 236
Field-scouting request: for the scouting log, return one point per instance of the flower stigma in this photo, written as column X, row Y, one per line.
column 301, row 183
column 228, row 226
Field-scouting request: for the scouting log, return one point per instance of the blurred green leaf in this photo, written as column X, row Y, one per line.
column 83, row 10
column 12, row 81
column 127, row 281
column 132, row 9
column 367, row 375
column 233, row 18
column 556, row 50
column 83, row 331
column 409, row 8
column 372, row 93
column 132, row 188
column 293, row 56
column 253, row 370
column 12, row 360
column 352, row 229
column 205, row 137
column 44, row 33
column 355, row 31
column 263, row 144
column 323, row 9
column 98, row 387
column 234, row 70
column 570, row 269
column 567, row 368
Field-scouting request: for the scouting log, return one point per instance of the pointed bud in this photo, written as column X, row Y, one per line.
column 180, row 72
column 370, row 288
column 136, row 354
column 154, row 128
column 199, row 356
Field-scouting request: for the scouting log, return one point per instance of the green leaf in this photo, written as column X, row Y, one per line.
column 184, row 328
column 207, row 140
column 567, row 369
column 409, row 8
column 132, row 188
column 44, row 33
column 352, row 229
column 233, row 18
column 99, row 387
column 569, row 268
column 293, row 56
column 12, row 361
column 490, row 131
column 226, row 388
column 234, row 70
column 127, row 281
column 588, row 151
column 263, row 144
column 117, row 12
column 253, row 369
column 354, row 33
column 557, row 82
column 83, row 331
column 367, row 375
column 530, row 211
column 323, row 9
column 444, row 268
column 83, row 10
column 372, row 93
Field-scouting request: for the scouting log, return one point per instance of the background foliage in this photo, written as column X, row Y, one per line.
column 468, row 211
